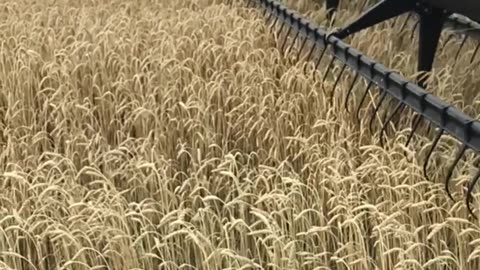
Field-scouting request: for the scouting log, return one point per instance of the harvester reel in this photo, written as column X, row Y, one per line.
column 432, row 17
column 403, row 94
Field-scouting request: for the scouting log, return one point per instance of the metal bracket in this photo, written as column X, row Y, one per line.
column 431, row 24
column 382, row 11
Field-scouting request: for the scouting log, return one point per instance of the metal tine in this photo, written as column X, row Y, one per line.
column 398, row 108
column 460, row 49
column 469, row 197
column 394, row 21
column 285, row 39
column 336, row 82
column 417, row 119
column 270, row 14
column 402, row 108
column 414, row 28
column 475, row 53
column 452, row 168
column 435, row 142
column 330, row 65
column 385, row 113
column 382, row 98
column 405, row 22
column 415, row 124
column 293, row 42
column 323, row 53
column 281, row 29
column 367, row 90
column 265, row 13
column 350, row 90
column 317, row 64
column 309, row 55
column 447, row 40
column 321, row 57
column 301, row 48
column 272, row 25
column 397, row 19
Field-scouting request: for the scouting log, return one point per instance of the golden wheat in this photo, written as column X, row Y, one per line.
column 176, row 135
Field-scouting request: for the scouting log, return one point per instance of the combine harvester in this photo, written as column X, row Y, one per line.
column 432, row 15
column 461, row 16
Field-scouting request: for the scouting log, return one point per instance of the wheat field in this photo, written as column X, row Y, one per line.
column 158, row 134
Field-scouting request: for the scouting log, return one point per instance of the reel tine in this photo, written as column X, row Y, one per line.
column 475, row 53
column 435, row 142
column 320, row 58
column 452, row 168
column 293, row 42
column 469, row 196
column 415, row 124
column 281, row 29
column 447, row 40
column 382, row 98
column 301, row 48
column 385, row 124
column 394, row 22
column 270, row 14
column 336, row 82
column 414, row 28
column 402, row 108
column 460, row 49
column 405, row 22
column 385, row 113
column 274, row 22
column 309, row 55
column 323, row 53
column 350, row 90
column 328, row 68
column 264, row 12
column 285, row 39
column 397, row 109
column 367, row 90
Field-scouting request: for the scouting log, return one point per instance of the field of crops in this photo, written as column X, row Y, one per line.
column 159, row 134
